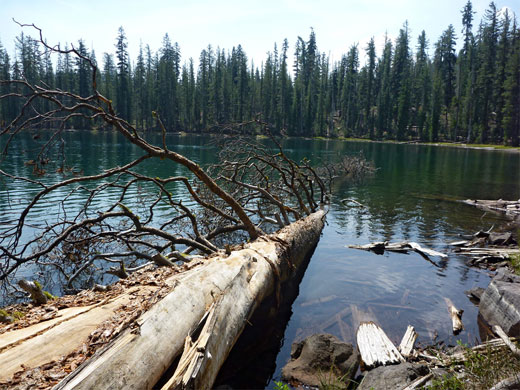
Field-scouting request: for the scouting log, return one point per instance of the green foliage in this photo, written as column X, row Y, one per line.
column 279, row 385
column 466, row 96
column 48, row 295
column 447, row 382
column 480, row 370
column 515, row 263
column 331, row 381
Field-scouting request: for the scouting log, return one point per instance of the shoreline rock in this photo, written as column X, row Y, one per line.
column 316, row 357
column 500, row 302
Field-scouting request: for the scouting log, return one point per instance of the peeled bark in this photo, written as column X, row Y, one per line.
column 217, row 298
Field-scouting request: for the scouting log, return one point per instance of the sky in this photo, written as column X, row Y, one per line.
column 255, row 24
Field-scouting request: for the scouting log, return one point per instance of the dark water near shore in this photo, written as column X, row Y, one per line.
column 412, row 196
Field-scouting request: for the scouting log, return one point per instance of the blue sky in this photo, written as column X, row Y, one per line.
column 256, row 25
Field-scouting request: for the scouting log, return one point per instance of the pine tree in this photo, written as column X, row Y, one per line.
column 123, row 94
column 503, row 52
column 369, row 88
column 421, row 90
column 511, row 94
column 467, row 72
column 401, row 83
column 139, row 89
column 384, row 87
column 349, row 101
column 486, row 71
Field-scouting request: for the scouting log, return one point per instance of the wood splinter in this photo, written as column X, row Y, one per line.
column 456, row 316
column 408, row 341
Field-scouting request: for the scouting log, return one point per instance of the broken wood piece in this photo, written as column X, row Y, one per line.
column 194, row 353
column 419, row 382
column 459, row 243
column 35, row 290
column 408, row 341
column 456, row 316
column 487, row 345
column 402, row 247
column 426, row 251
column 500, row 333
column 344, row 201
column 375, row 347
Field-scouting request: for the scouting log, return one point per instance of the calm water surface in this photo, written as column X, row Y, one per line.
column 412, row 196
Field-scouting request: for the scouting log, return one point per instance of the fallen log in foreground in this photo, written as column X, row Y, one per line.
column 208, row 308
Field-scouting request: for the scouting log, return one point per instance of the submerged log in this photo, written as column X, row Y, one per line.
column 375, row 347
column 220, row 296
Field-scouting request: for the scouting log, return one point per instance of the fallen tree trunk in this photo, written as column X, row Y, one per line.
column 208, row 307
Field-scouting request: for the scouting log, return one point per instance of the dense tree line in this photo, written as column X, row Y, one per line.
column 471, row 96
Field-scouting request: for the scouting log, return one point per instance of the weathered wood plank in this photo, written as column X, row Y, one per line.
column 375, row 347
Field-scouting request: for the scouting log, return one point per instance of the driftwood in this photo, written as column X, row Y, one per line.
column 224, row 291
column 401, row 247
column 355, row 202
column 408, row 341
column 460, row 357
column 505, row 338
column 456, row 316
column 509, row 207
column 375, row 347
column 419, row 382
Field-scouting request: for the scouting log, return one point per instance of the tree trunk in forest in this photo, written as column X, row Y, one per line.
column 205, row 313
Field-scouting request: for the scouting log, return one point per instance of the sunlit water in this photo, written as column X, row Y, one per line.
column 412, row 196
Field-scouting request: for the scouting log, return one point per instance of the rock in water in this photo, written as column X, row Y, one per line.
column 395, row 377
column 500, row 303
column 312, row 359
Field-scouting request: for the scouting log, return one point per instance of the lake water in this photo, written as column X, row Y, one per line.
column 412, row 196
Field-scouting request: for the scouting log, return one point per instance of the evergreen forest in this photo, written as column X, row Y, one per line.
column 466, row 95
